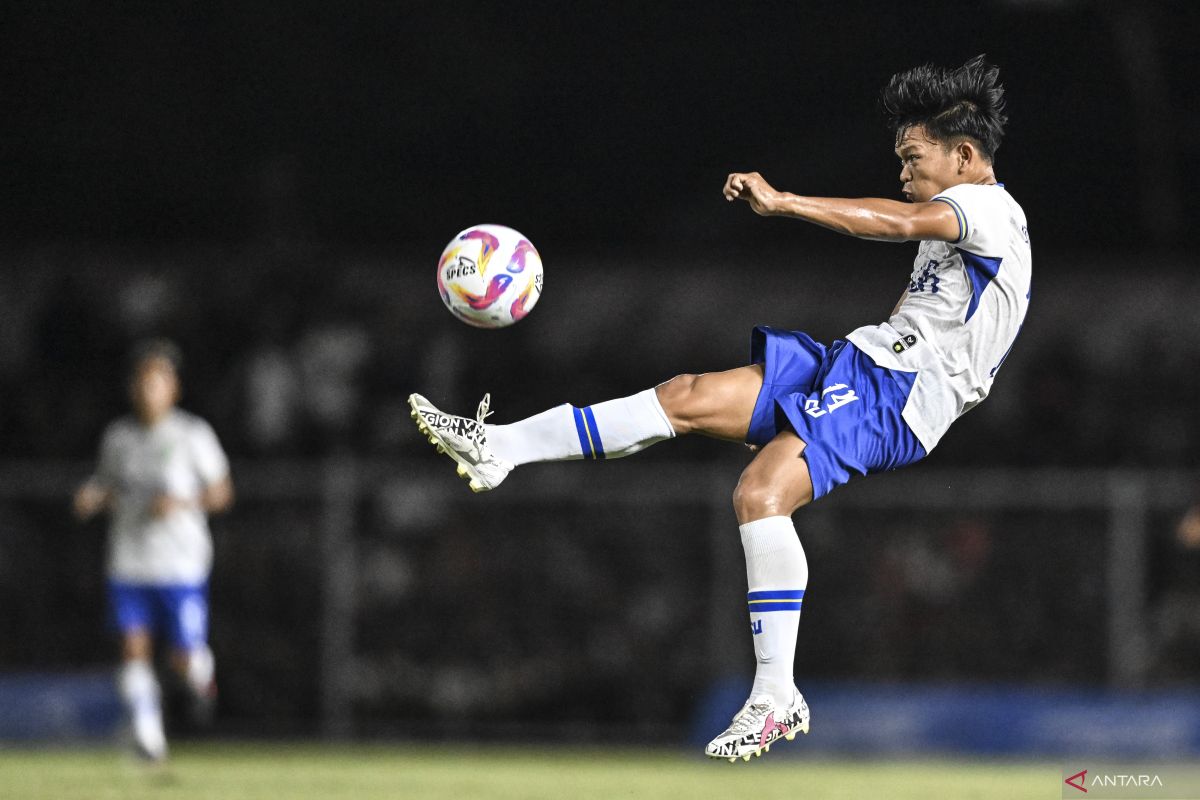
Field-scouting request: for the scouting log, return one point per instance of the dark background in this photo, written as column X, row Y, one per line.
column 270, row 184
column 595, row 125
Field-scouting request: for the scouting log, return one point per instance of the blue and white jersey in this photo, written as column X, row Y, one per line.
column 965, row 303
column 179, row 456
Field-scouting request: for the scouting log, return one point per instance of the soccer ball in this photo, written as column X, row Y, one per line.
column 490, row 276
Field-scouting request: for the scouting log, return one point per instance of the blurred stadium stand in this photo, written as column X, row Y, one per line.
column 358, row 598
column 359, row 589
column 269, row 184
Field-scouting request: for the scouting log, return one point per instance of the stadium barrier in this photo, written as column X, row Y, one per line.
column 854, row 718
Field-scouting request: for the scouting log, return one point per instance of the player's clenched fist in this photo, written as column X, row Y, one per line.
column 753, row 188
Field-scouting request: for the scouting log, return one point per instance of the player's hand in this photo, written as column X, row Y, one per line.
column 1188, row 532
column 90, row 500
column 753, row 188
column 165, row 504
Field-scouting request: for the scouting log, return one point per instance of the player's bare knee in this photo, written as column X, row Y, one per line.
column 135, row 646
column 675, row 397
column 756, row 498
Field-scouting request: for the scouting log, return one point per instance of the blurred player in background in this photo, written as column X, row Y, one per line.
column 880, row 399
column 161, row 472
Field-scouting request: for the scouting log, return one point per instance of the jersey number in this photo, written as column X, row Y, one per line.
column 925, row 276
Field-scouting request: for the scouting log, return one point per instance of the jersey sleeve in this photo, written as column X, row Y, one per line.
column 976, row 211
column 209, row 458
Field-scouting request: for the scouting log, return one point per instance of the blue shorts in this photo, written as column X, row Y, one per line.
column 845, row 407
column 179, row 612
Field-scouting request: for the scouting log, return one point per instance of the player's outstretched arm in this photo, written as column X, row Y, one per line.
column 865, row 218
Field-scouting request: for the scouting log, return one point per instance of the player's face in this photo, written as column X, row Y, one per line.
column 155, row 389
column 926, row 166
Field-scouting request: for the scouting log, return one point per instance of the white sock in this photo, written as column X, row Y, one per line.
column 611, row 429
column 777, row 574
column 201, row 667
column 139, row 689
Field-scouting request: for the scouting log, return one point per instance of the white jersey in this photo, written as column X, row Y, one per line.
column 179, row 456
column 965, row 303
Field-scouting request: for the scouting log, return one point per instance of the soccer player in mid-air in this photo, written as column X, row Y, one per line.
column 879, row 399
column 161, row 472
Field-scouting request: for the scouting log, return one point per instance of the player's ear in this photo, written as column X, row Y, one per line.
column 964, row 154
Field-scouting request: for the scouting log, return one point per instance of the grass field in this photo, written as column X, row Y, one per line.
column 407, row 772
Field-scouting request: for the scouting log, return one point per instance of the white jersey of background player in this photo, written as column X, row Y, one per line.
column 877, row 400
column 160, row 472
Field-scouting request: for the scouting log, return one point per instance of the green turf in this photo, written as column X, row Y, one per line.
column 407, row 772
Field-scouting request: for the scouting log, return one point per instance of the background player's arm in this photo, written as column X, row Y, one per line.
column 217, row 497
column 96, row 494
column 865, row 218
column 213, row 499
column 91, row 498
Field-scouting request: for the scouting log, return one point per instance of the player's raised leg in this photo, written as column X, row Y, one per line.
column 772, row 487
column 717, row 404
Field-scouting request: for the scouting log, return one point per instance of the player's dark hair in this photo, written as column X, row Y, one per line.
column 147, row 349
column 950, row 104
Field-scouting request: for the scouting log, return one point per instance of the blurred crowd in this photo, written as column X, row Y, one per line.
column 306, row 354
column 313, row 354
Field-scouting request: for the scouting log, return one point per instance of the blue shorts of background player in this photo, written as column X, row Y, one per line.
column 177, row 612
column 846, row 408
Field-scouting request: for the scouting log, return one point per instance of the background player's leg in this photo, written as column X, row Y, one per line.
column 717, row 404
column 196, row 669
column 140, row 690
column 771, row 488
column 134, row 614
column 195, row 666
column 191, row 658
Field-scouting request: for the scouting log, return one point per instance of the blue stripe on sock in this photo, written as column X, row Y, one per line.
column 757, row 608
column 777, row 594
column 594, row 429
column 583, row 437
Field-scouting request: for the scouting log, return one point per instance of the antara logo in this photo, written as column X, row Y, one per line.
column 1078, row 776
column 1080, row 780
column 1126, row 780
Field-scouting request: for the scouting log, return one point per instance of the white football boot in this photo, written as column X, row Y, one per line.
column 464, row 440
column 757, row 726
